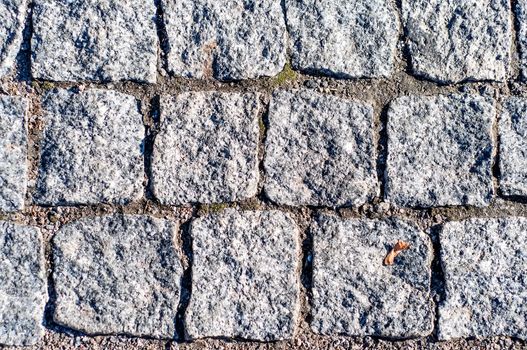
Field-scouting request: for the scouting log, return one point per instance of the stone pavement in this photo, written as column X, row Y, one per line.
column 217, row 174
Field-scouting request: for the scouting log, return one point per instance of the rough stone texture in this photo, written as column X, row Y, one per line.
column 513, row 147
column 346, row 39
column 23, row 292
column 521, row 19
column 484, row 264
column 207, row 148
column 99, row 40
column 355, row 294
column 319, row 150
column 244, row 276
column 12, row 17
column 13, row 153
column 439, row 151
column 458, row 40
column 117, row 274
column 92, row 149
column 227, row 40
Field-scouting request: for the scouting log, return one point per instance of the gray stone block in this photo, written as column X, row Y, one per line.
column 244, row 276
column 13, row 153
column 94, row 40
column 227, row 40
column 319, row 150
column 207, row 148
column 92, row 149
column 346, row 39
column 484, row 265
column 23, row 291
column 355, row 294
column 459, row 40
column 117, row 274
column 439, row 151
column 12, row 19
column 513, row 147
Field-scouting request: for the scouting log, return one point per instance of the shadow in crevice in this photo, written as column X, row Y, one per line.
column 382, row 150
column 162, row 34
column 148, row 145
column 437, row 283
column 306, row 275
column 23, row 58
column 186, row 282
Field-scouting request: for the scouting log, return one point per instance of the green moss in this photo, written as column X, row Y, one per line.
column 261, row 126
column 287, row 74
column 47, row 85
column 44, row 85
column 205, row 209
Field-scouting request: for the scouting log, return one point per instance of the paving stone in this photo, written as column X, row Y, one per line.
column 440, row 151
column 227, row 40
column 244, row 276
column 355, row 294
column 458, row 40
column 23, row 291
column 513, row 147
column 319, row 150
column 12, row 18
column 94, row 40
column 346, row 39
column 91, row 151
column 484, row 265
column 13, row 153
column 117, row 274
column 207, row 148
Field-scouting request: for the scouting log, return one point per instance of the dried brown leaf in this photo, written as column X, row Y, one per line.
column 396, row 250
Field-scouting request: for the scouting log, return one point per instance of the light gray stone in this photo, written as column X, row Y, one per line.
column 23, row 291
column 355, row 294
column 439, row 151
column 117, row 274
column 319, row 150
column 13, row 153
column 459, row 40
column 12, row 18
column 244, row 276
column 227, row 40
column 95, row 40
column 484, row 265
column 513, row 147
column 207, row 148
column 92, row 149
column 346, row 39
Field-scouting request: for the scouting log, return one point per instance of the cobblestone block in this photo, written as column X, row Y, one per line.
column 484, row 264
column 513, row 147
column 319, row 150
column 346, row 39
column 439, row 151
column 92, row 149
column 12, row 18
column 207, row 148
column 355, row 294
column 97, row 40
column 227, row 40
column 459, row 40
column 117, row 274
column 13, row 153
column 23, row 292
column 244, row 276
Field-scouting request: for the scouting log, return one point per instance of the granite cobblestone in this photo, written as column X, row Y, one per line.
column 234, row 174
